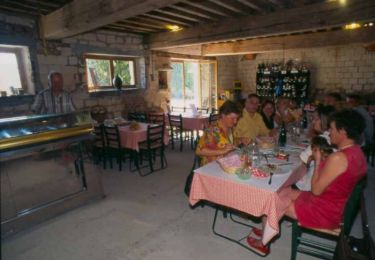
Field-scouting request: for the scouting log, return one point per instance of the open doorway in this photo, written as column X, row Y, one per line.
column 193, row 82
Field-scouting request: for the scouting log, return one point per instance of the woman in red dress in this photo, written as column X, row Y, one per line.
column 332, row 182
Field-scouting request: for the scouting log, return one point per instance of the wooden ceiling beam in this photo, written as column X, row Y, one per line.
column 194, row 12
column 151, row 25
column 232, row 6
column 178, row 15
column 151, row 21
column 125, row 28
column 167, row 19
column 252, row 5
column 135, row 27
column 279, row 43
column 81, row 16
column 15, row 10
column 320, row 16
column 208, row 9
column 42, row 3
column 26, row 7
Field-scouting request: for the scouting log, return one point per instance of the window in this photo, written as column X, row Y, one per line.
column 15, row 79
column 193, row 82
column 101, row 71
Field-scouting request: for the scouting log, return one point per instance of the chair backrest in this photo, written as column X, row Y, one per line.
column 213, row 118
column 178, row 109
column 175, row 121
column 99, row 135
column 112, row 137
column 137, row 116
column 156, row 118
column 155, row 136
column 352, row 206
column 203, row 109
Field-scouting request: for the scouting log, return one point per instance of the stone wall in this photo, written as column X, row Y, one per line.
column 66, row 56
column 346, row 68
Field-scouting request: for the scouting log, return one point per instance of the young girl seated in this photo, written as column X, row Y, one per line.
column 320, row 143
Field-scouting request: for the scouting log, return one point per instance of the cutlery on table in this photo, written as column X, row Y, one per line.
column 270, row 180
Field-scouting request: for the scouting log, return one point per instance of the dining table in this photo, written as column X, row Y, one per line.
column 257, row 196
column 195, row 122
column 130, row 138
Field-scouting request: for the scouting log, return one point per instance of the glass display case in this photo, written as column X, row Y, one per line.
column 45, row 168
column 27, row 130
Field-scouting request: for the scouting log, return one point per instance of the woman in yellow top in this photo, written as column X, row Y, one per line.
column 217, row 139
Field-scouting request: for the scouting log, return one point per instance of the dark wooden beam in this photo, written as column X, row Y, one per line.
column 168, row 19
column 208, row 9
column 181, row 56
column 278, row 43
column 232, row 6
column 193, row 11
column 317, row 16
column 179, row 15
column 85, row 15
column 252, row 5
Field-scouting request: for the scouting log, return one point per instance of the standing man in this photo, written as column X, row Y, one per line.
column 251, row 123
column 53, row 100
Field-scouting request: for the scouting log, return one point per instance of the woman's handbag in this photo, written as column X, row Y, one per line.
column 351, row 248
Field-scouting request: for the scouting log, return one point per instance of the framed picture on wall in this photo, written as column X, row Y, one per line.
column 163, row 80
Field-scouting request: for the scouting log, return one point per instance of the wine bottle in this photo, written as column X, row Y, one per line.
column 304, row 120
column 282, row 135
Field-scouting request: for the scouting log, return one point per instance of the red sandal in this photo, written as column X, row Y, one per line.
column 256, row 231
column 257, row 246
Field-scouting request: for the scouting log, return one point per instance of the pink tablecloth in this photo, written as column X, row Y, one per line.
column 131, row 138
column 253, row 196
column 194, row 122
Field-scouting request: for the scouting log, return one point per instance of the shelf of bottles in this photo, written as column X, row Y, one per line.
column 275, row 80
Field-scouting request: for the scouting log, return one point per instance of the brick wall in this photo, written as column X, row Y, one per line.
column 347, row 68
column 66, row 56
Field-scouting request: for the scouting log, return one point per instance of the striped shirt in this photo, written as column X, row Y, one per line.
column 47, row 103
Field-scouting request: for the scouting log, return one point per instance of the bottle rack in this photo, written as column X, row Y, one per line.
column 275, row 80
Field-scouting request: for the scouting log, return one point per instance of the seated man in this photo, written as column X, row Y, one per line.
column 54, row 99
column 354, row 101
column 251, row 123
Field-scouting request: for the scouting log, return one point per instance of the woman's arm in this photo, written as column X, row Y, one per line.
column 214, row 152
column 336, row 164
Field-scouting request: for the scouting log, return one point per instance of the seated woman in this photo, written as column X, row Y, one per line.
column 267, row 111
column 217, row 139
column 333, row 180
column 282, row 114
column 319, row 127
column 319, row 124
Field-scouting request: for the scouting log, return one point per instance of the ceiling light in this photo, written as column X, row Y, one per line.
column 352, row 26
column 341, row 2
column 174, row 28
column 370, row 24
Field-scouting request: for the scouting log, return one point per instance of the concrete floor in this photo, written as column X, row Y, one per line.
column 145, row 218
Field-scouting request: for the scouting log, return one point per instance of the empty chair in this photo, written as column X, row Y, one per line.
column 152, row 148
column 156, row 118
column 113, row 145
column 99, row 153
column 137, row 116
column 178, row 109
column 203, row 110
column 177, row 132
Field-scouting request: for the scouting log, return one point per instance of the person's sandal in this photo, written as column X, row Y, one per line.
column 256, row 231
column 257, row 246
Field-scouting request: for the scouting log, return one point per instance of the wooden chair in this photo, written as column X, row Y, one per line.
column 98, row 152
column 322, row 250
column 203, row 109
column 113, row 145
column 137, row 116
column 156, row 118
column 176, row 129
column 153, row 147
column 213, row 118
column 178, row 109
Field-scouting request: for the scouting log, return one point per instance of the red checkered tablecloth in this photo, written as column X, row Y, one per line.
column 254, row 196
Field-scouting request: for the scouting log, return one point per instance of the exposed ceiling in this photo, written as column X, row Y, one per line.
column 184, row 14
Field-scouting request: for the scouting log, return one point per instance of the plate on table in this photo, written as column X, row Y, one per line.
column 276, row 169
